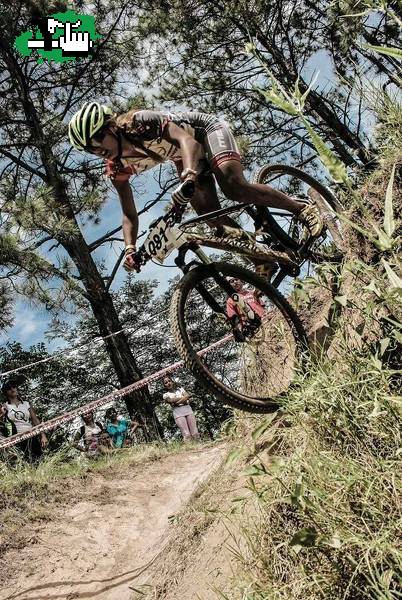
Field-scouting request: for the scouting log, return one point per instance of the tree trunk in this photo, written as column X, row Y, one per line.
column 127, row 371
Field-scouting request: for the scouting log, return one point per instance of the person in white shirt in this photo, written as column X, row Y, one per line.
column 183, row 414
column 24, row 417
column 92, row 434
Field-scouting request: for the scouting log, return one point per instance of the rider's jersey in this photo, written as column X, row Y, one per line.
column 144, row 130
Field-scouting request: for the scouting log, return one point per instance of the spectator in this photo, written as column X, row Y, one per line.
column 247, row 318
column 119, row 429
column 94, row 438
column 183, row 414
column 24, row 417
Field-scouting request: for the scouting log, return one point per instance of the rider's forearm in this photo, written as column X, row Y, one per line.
column 130, row 216
column 130, row 230
column 170, row 401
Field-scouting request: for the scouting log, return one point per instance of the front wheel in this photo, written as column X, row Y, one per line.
column 250, row 366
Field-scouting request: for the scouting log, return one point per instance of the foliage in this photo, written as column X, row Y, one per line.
column 6, row 307
column 293, row 103
column 144, row 317
column 49, row 193
column 207, row 68
column 321, row 514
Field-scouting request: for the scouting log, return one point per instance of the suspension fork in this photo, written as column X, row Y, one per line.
column 218, row 278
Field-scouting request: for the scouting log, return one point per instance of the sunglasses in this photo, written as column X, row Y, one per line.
column 96, row 141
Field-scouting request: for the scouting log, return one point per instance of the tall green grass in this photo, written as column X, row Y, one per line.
column 321, row 516
column 327, row 512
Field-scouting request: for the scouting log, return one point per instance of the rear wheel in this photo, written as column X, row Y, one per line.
column 255, row 372
column 284, row 225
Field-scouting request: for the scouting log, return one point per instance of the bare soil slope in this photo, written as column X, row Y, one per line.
column 103, row 544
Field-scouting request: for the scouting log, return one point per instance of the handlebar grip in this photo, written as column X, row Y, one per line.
column 188, row 189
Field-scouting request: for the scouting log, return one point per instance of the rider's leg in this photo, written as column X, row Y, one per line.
column 181, row 423
column 230, row 176
column 231, row 180
column 206, row 200
column 192, row 426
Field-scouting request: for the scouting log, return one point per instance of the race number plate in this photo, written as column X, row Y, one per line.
column 162, row 240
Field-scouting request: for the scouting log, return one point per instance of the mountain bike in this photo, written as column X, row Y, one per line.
column 235, row 331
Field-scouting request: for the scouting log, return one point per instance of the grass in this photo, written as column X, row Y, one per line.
column 322, row 515
column 327, row 499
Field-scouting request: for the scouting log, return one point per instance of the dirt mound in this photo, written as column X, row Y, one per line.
column 99, row 547
column 317, row 314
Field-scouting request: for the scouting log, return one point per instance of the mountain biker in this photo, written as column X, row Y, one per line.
column 199, row 144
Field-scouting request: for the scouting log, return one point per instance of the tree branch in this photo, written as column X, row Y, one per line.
column 20, row 163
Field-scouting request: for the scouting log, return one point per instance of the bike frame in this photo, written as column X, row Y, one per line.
column 262, row 219
column 204, row 260
column 265, row 220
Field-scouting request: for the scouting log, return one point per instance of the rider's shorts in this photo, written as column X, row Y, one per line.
column 220, row 144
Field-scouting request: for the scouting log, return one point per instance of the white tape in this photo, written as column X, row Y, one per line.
column 95, row 404
column 66, row 352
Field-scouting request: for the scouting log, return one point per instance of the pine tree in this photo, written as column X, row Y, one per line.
column 145, row 319
column 199, row 58
column 47, row 192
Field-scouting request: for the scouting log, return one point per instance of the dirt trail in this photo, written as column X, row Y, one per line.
column 98, row 549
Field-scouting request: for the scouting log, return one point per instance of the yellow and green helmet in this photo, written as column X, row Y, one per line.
column 86, row 122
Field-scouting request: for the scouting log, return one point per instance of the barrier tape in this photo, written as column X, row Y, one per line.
column 94, row 404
